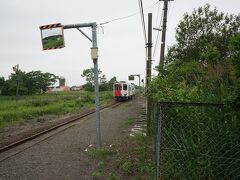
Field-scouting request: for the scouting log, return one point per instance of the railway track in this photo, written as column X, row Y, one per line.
column 54, row 127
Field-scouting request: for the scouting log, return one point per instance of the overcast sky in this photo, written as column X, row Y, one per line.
column 121, row 43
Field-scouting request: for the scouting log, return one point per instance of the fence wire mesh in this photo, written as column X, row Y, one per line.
column 196, row 141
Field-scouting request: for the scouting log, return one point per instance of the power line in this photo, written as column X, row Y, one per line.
column 128, row 16
column 143, row 20
column 164, row 29
column 158, row 33
column 118, row 19
column 157, row 17
column 153, row 7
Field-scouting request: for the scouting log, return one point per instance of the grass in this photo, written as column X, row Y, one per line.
column 125, row 166
column 130, row 122
column 200, row 143
column 129, row 160
column 100, row 153
column 31, row 107
column 143, row 162
column 112, row 176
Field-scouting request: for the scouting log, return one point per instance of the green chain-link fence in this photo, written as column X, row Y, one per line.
column 196, row 141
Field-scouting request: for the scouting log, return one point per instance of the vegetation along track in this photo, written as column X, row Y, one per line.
column 49, row 129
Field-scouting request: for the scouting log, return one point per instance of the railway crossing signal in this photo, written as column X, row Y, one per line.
column 53, row 38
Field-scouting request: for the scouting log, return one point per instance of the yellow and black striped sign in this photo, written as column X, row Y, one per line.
column 54, row 47
column 49, row 26
column 52, row 36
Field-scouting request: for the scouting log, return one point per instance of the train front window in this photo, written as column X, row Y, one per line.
column 116, row 86
column 124, row 87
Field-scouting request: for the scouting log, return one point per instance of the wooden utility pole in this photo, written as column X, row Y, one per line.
column 149, row 71
column 164, row 29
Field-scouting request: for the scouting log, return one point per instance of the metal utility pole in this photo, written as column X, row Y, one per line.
column 164, row 29
column 94, row 55
column 149, row 71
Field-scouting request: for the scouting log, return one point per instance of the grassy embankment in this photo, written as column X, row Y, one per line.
column 30, row 107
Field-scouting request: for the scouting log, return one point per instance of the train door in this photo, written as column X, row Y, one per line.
column 129, row 91
column 117, row 90
column 124, row 91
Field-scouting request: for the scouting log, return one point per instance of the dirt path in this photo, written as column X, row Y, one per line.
column 63, row 155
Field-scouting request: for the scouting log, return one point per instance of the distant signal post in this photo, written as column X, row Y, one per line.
column 131, row 78
column 53, row 38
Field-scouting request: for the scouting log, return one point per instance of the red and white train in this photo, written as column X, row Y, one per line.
column 123, row 90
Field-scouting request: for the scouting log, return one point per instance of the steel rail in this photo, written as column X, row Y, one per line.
column 26, row 139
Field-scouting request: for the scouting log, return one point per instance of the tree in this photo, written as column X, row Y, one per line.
column 103, row 79
column 16, row 79
column 88, row 87
column 9, row 88
column 103, row 86
column 199, row 66
column 29, row 83
column 89, row 75
column 111, row 82
column 2, row 80
column 235, row 51
column 204, row 66
column 203, row 28
column 38, row 82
